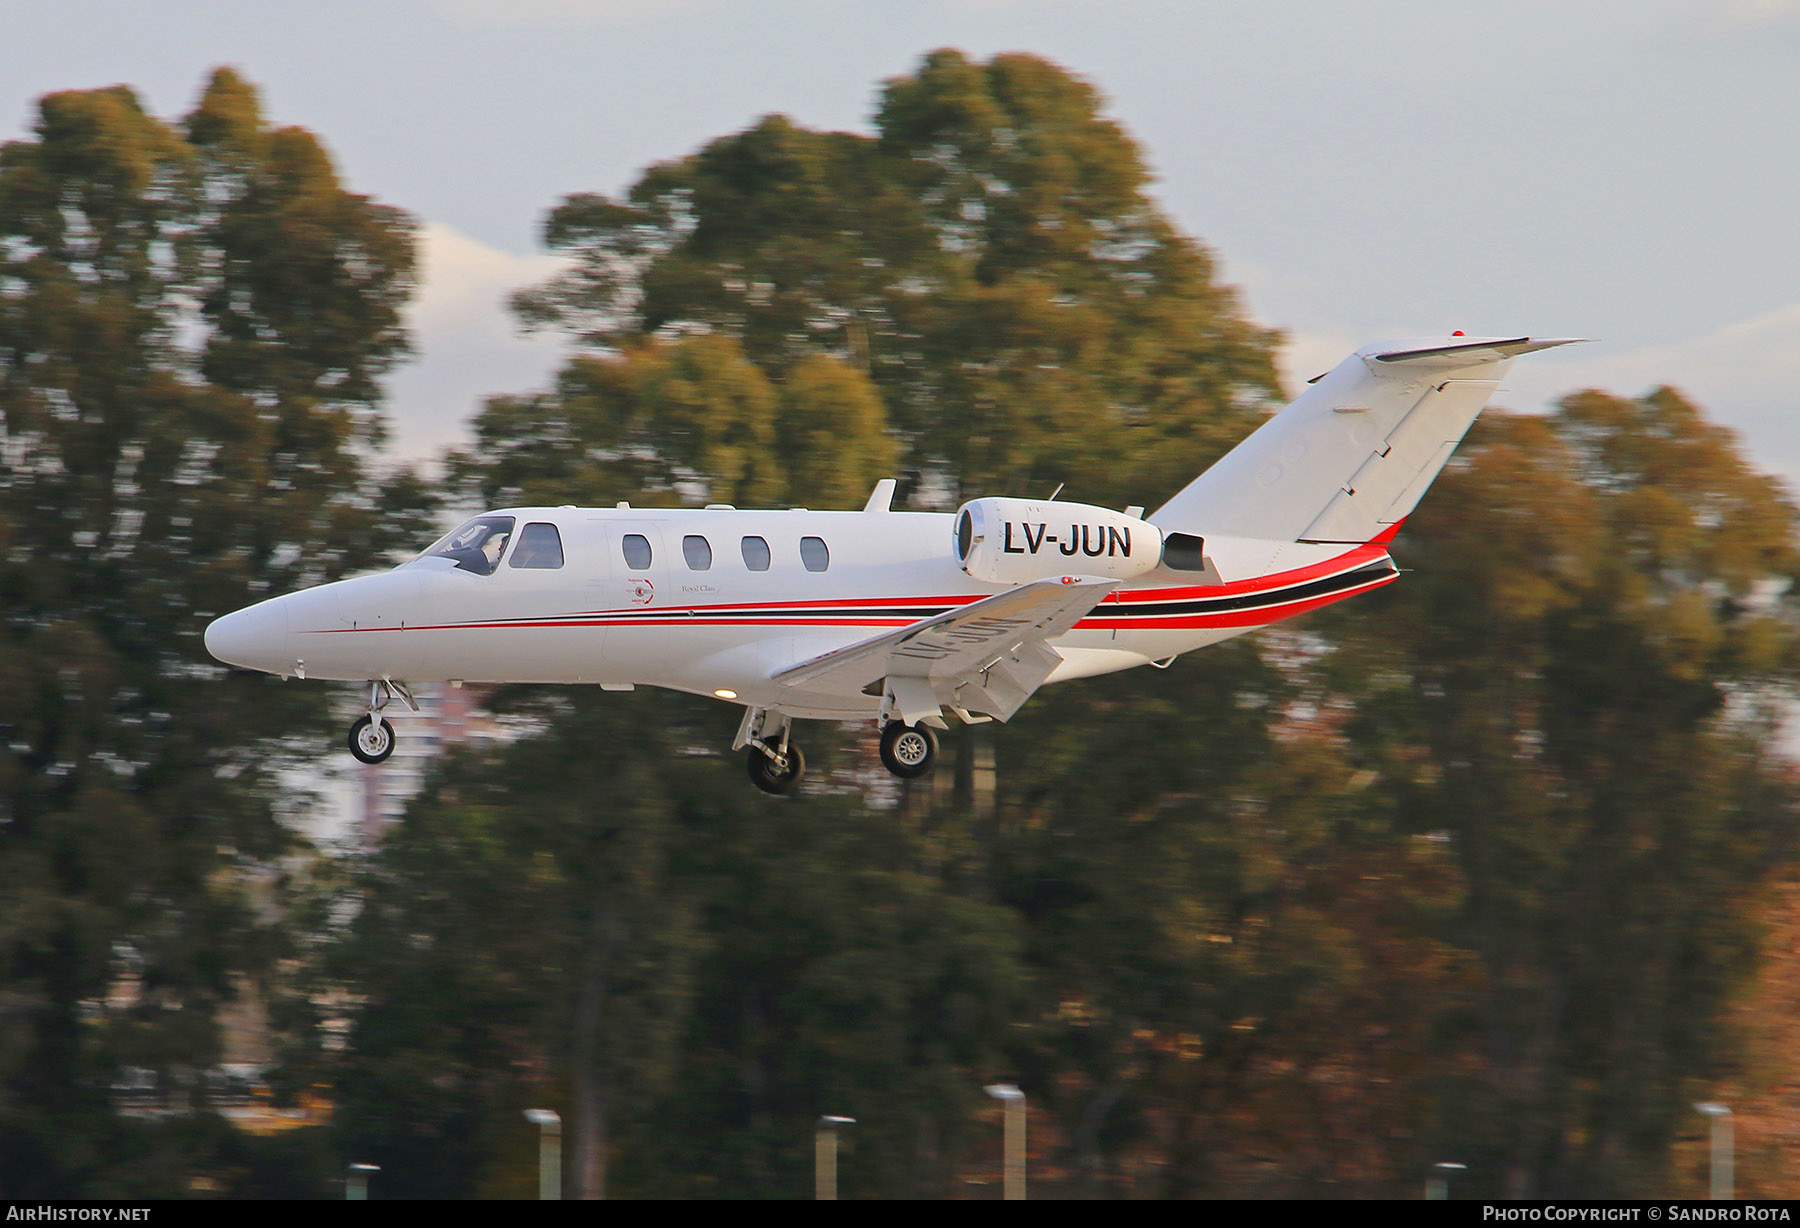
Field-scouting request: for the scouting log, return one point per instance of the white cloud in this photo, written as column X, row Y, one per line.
column 465, row 281
column 468, row 346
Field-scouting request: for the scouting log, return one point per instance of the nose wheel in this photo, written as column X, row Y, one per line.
column 371, row 739
column 908, row 751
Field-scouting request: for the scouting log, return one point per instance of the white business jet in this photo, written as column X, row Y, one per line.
column 903, row 617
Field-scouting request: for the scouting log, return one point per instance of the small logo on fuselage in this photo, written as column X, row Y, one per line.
column 640, row 591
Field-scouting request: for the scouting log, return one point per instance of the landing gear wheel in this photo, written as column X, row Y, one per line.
column 908, row 751
column 370, row 741
column 770, row 778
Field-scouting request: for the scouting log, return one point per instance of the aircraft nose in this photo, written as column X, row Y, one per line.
column 255, row 638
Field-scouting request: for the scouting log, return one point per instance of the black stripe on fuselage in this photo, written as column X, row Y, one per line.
column 1368, row 573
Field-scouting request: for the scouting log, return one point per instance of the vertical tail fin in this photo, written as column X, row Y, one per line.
column 1352, row 456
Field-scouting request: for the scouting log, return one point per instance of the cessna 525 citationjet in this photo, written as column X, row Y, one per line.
column 903, row 617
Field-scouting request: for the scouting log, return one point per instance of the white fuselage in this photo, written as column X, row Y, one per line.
column 727, row 627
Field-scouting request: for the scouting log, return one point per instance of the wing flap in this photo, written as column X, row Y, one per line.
column 986, row 657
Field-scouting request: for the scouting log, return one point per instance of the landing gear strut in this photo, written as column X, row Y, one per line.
column 371, row 737
column 908, row 751
column 775, row 763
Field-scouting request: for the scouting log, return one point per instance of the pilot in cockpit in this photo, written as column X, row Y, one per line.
column 477, row 545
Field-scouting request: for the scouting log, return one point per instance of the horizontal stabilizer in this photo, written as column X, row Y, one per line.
column 1465, row 352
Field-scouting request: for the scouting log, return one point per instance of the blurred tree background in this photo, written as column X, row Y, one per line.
column 1469, row 870
column 193, row 318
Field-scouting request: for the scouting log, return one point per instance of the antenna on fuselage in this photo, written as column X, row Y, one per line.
column 881, row 499
column 1056, row 492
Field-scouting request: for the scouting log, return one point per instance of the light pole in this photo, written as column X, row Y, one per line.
column 1437, row 1186
column 825, row 1145
column 549, row 1152
column 1013, row 1181
column 356, row 1186
column 1721, row 1148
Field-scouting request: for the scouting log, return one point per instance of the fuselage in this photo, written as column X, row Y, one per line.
column 716, row 601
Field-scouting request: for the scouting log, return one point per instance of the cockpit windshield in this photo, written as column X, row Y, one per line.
column 475, row 546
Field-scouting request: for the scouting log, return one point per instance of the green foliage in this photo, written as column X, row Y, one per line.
column 692, row 420
column 606, row 920
column 191, row 323
column 1578, row 687
column 990, row 258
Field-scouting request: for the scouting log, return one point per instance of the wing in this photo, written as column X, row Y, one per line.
column 986, row 657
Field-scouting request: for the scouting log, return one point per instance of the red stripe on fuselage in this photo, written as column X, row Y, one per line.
column 1355, row 557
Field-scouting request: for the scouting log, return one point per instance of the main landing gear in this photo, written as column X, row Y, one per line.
column 776, row 764
column 908, row 751
column 371, row 737
column 776, row 771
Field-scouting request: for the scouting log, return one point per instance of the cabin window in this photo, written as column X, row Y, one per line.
column 475, row 546
column 540, row 547
column 697, row 551
column 814, row 554
column 756, row 554
column 1184, row 552
column 637, row 551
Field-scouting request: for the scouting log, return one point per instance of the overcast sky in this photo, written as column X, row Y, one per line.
column 1617, row 169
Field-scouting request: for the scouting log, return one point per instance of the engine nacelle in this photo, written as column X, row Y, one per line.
column 1015, row 541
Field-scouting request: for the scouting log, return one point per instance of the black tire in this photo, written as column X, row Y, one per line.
column 370, row 743
column 908, row 751
column 765, row 776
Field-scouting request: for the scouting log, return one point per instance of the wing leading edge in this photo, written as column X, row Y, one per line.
column 985, row 658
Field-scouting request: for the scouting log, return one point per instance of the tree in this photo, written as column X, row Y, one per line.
column 990, row 257
column 191, row 322
column 1579, row 689
column 516, row 944
column 603, row 918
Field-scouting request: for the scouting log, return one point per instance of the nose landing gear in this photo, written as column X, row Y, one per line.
column 371, row 737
